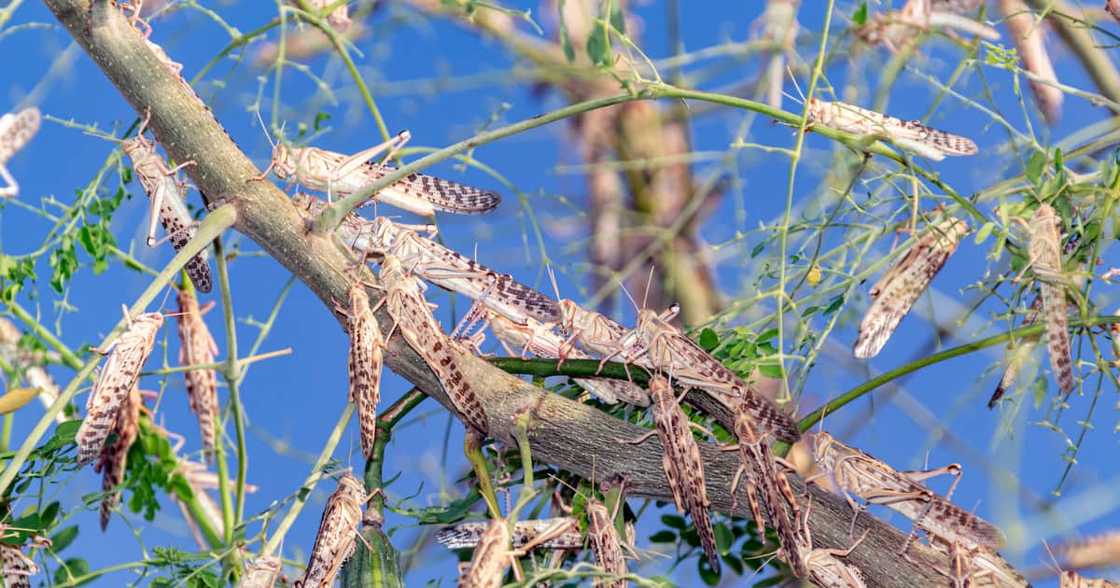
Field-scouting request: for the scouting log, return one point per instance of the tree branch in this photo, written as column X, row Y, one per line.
column 565, row 434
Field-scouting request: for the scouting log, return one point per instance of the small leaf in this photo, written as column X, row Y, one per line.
column 771, row 370
column 1035, row 165
column 673, row 521
column 62, row 539
column 71, row 569
column 708, row 339
column 599, row 45
column 565, row 38
column 860, row 15
column 984, row 232
column 663, row 536
column 707, row 574
column 724, row 539
column 618, row 20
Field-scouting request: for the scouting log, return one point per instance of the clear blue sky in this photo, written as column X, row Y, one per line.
column 294, row 401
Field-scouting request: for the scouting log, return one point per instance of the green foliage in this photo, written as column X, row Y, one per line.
column 183, row 569
column 151, row 469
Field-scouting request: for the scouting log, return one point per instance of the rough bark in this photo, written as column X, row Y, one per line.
column 565, row 434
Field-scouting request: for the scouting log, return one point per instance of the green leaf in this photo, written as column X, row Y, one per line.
column 565, row 38
column 984, row 232
column 62, row 539
column 673, row 521
column 618, row 20
column 70, row 569
column 1035, row 165
column 724, row 538
column 663, row 536
column 708, row 339
column 860, row 15
column 770, row 370
column 599, row 45
column 707, row 574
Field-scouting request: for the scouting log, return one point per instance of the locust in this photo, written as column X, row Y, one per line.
column 114, row 456
column 17, row 568
column 1017, row 356
column 658, row 345
column 1092, row 552
column 168, row 196
column 539, row 339
column 438, row 264
column 364, row 364
column 858, row 473
column 338, row 534
column 824, row 566
column 411, row 314
column 197, row 347
column 557, row 533
column 1071, row 579
column 491, row 558
column 16, row 129
column 684, row 469
column 261, row 572
column 910, row 135
column 338, row 174
column 593, row 331
column 761, row 474
column 605, row 544
column 117, row 380
column 895, row 293
column 1046, row 261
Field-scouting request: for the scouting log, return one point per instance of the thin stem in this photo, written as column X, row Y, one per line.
column 794, row 162
column 232, row 374
column 374, row 477
column 219, row 364
column 833, row 405
column 472, row 449
column 340, row 48
column 308, row 484
column 217, row 221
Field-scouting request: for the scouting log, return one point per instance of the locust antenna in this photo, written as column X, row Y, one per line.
column 795, row 86
column 649, row 282
column 631, row 298
column 264, row 128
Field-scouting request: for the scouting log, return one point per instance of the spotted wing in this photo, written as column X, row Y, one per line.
column 16, row 129
column 899, row 288
column 1046, row 261
column 444, row 195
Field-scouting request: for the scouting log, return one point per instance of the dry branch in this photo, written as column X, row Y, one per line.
column 565, row 434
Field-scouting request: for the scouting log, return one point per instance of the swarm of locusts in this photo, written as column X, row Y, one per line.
column 528, row 322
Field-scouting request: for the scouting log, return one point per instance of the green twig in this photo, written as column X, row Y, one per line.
column 232, row 375
column 308, row 484
column 835, row 404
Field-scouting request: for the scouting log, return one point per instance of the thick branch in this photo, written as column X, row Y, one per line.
column 566, row 434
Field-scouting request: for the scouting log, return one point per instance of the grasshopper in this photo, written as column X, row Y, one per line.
column 606, row 543
column 539, row 339
column 261, row 572
column 16, row 129
column 17, row 568
column 1046, row 261
column 338, row 533
column 901, row 286
column 114, row 456
column 342, row 175
column 764, row 476
column 117, row 380
column 405, row 301
column 910, row 135
column 553, row 533
column 197, row 346
column 684, row 469
column 168, row 198
column 861, row 474
column 439, row 265
column 658, row 345
column 824, row 566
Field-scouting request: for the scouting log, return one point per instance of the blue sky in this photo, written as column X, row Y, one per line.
column 293, row 402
